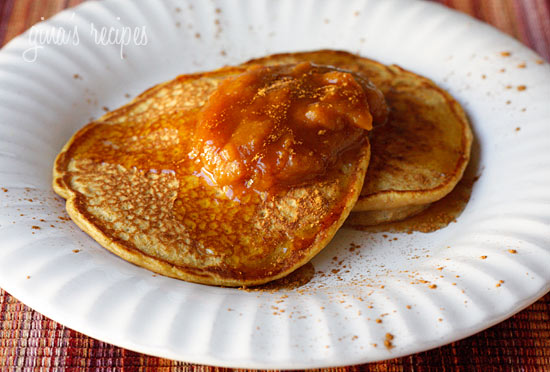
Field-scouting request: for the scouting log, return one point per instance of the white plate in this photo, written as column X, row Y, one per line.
column 330, row 321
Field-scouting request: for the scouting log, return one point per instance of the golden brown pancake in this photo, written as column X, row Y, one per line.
column 131, row 184
column 419, row 155
column 380, row 216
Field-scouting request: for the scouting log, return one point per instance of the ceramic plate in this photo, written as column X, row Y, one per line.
column 424, row 289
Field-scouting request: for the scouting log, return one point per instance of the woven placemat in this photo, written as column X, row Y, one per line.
column 27, row 338
column 31, row 342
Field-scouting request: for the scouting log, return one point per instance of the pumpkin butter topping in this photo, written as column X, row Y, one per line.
column 279, row 126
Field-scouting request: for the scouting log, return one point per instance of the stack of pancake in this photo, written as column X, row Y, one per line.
column 119, row 189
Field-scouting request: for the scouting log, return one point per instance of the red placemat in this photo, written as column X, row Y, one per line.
column 29, row 341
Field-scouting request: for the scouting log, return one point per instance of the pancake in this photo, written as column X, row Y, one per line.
column 419, row 155
column 130, row 183
column 381, row 216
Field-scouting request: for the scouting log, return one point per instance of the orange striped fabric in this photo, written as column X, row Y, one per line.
column 31, row 342
column 526, row 20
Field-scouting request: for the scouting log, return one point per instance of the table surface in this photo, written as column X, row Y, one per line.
column 30, row 341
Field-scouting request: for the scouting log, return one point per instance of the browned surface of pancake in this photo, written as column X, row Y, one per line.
column 421, row 153
column 117, row 176
column 376, row 217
